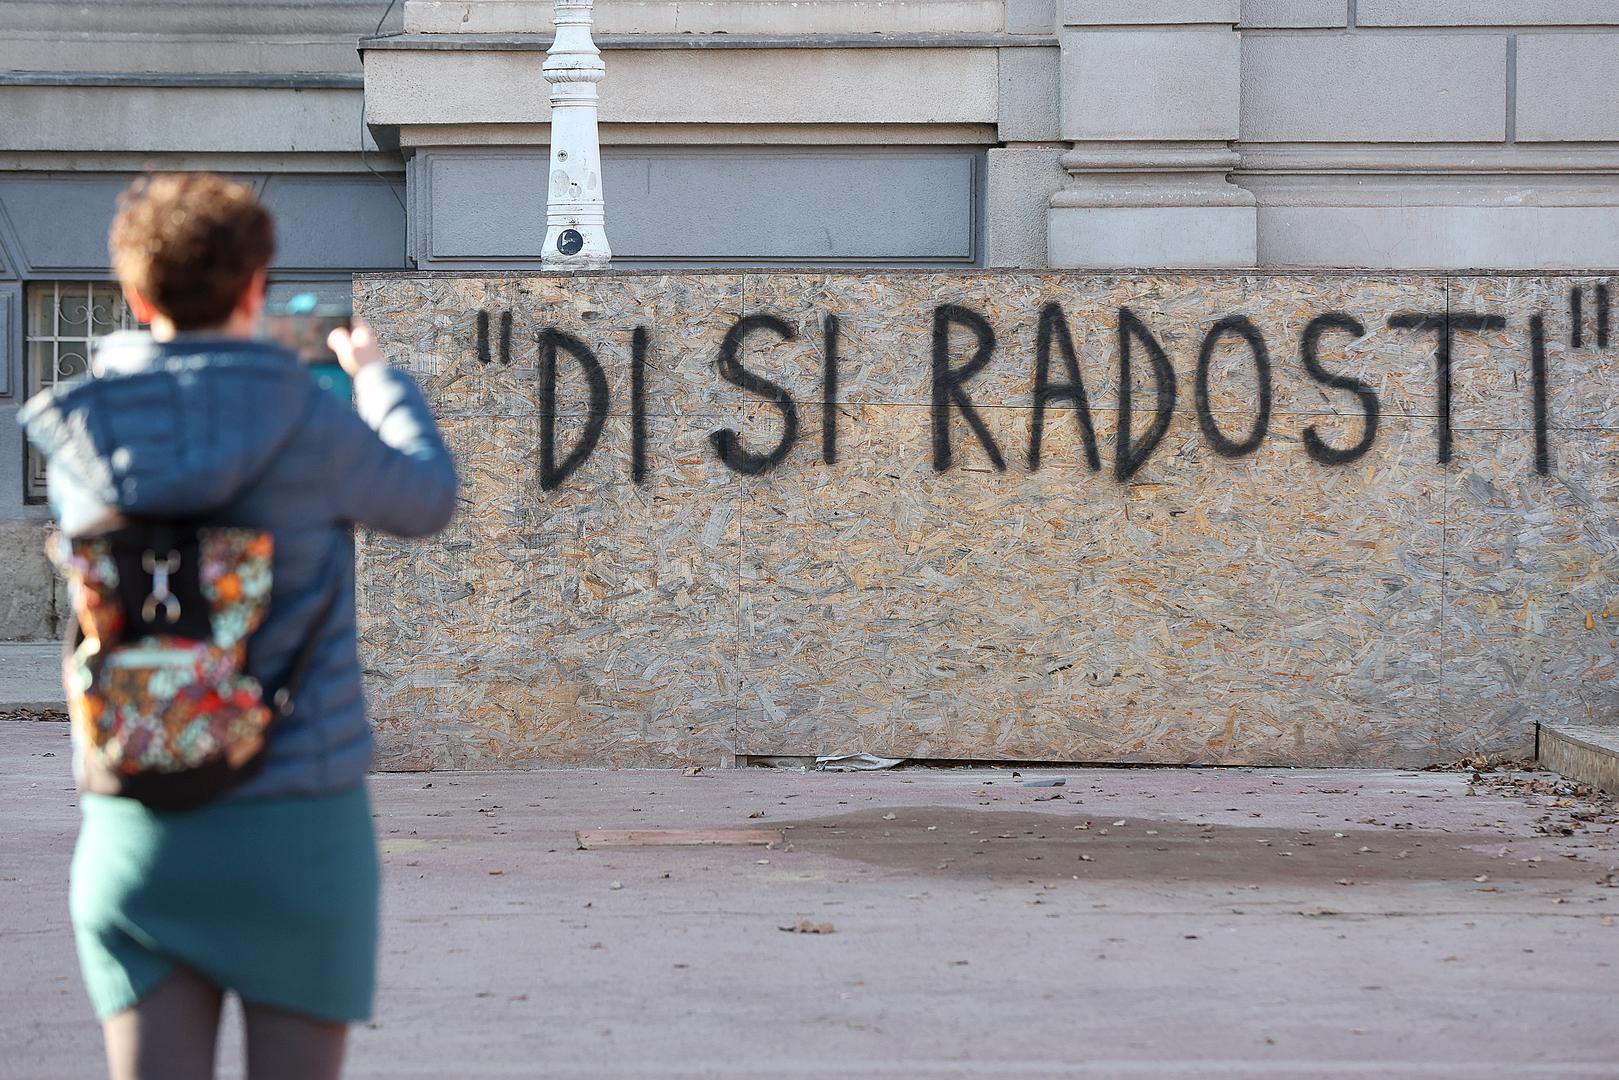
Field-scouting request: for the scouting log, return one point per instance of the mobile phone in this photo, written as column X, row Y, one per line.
column 302, row 324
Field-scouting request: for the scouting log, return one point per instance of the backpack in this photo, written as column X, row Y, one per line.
column 162, row 708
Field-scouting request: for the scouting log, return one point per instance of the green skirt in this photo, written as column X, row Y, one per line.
column 275, row 899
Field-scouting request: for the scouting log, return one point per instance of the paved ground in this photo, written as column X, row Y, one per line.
column 1133, row 923
column 31, row 675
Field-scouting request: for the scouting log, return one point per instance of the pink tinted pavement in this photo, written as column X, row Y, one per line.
column 1131, row 923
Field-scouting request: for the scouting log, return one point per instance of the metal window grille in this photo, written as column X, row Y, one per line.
column 64, row 319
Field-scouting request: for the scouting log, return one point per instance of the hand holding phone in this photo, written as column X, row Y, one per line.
column 305, row 326
column 355, row 347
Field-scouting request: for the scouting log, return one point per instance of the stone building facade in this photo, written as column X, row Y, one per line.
column 1095, row 133
column 95, row 91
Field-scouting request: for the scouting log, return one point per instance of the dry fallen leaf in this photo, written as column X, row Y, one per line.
column 805, row 926
column 1318, row 912
column 757, row 814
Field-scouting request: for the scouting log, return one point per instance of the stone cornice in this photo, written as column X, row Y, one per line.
column 186, row 80
column 1468, row 159
column 541, row 42
column 1124, row 174
column 1150, row 157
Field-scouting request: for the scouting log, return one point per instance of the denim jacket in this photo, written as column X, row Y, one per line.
column 239, row 432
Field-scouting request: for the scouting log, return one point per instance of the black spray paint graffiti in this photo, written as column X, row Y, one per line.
column 1136, row 344
column 727, row 443
column 553, row 342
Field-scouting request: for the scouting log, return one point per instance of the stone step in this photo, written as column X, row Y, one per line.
column 1583, row 752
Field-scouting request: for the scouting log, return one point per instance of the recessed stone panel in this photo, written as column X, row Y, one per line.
column 1404, row 88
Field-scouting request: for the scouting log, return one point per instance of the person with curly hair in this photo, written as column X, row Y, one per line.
column 270, row 891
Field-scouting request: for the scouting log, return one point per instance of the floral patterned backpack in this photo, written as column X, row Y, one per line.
column 162, row 707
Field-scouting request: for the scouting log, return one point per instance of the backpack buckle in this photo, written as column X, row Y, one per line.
column 160, row 593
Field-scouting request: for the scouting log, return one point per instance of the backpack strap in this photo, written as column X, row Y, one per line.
column 282, row 699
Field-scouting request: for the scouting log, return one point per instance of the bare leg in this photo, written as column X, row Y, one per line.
column 283, row 1045
column 170, row 1033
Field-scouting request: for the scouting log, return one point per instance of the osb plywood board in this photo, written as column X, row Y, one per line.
column 886, row 347
column 1531, row 587
column 574, row 629
column 440, row 327
column 956, row 615
column 1532, row 510
column 800, row 528
column 1581, row 332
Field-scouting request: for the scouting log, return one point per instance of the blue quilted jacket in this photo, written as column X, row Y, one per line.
column 237, row 430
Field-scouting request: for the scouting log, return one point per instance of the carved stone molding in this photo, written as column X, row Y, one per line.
column 1160, row 204
column 1105, row 174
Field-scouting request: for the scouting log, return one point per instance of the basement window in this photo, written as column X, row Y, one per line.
column 62, row 322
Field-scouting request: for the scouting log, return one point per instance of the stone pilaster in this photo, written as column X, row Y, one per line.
column 1150, row 103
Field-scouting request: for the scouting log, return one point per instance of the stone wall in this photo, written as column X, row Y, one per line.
column 1375, row 134
column 1423, row 133
column 1323, row 519
column 29, row 590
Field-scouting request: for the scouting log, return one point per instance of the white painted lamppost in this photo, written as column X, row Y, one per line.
column 575, row 219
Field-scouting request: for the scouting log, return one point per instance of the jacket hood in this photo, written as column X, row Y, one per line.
column 166, row 429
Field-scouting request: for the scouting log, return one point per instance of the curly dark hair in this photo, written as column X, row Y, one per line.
column 190, row 243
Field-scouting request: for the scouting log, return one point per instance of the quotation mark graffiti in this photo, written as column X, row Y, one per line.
column 1602, row 301
column 505, row 356
column 1576, row 311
